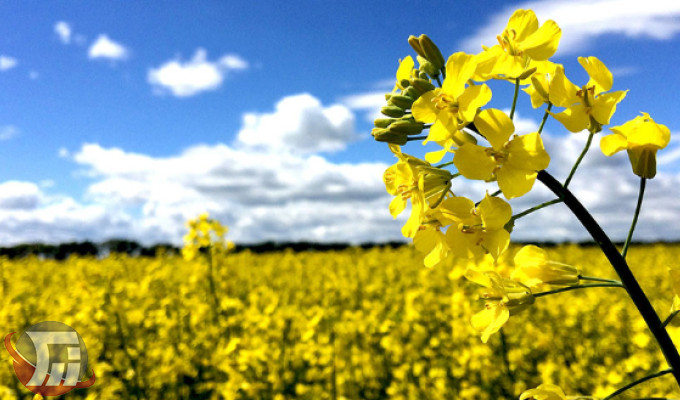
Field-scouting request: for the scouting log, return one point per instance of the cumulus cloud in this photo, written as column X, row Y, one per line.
column 184, row 79
column 584, row 20
column 104, row 47
column 369, row 103
column 265, row 191
column 301, row 124
column 7, row 62
column 63, row 31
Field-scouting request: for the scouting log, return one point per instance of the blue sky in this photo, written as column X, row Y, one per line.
column 124, row 119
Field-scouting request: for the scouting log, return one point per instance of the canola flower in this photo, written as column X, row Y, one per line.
column 455, row 113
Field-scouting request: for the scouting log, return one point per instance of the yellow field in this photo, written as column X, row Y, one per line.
column 354, row 324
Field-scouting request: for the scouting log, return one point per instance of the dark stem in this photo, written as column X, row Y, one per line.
column 670, row 318
column 586, row 286
column 617, row 261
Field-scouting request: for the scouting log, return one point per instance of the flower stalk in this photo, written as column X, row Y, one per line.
column 619, row 264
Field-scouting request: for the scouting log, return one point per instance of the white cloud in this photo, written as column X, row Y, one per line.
column 64, row 31
column 299, row 124
column 104, row 47
column 7, row 62
column 17, row 195
column 8, row 132
column 369, row 103
column 184, row 79
column 584, row 20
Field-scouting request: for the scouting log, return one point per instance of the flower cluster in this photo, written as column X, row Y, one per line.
column 205, row 234
column 446, row 103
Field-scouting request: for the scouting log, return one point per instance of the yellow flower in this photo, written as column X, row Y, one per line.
column 589, row 107
column 416, row 180
column 545, row 391
column 521, row 45
column 533, row 268
column 205, row 232
column 513, row 162
column 429, row 239
column 454, row 105
column 476, row 231
column 504, row 298
column 550, row 86
column 642, row 137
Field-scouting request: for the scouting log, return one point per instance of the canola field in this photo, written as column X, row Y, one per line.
column 351, row 324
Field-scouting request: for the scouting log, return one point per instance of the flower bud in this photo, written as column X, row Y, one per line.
column 392, row 111
column 383, row 122
column 412, row 93
column 533, row 268
column 406, row 127
column 428, row 67
column 527, row 73
column 431, row 51
column 400, row 101
column 385, row 135
column 422, row 85
column 415, row 43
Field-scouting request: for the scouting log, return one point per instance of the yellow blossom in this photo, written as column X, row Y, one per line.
column 521, row 47
column 642, row 138
column 589, row 107
column 545, row 391
column 475, row 231
column 514, row 162
column 503, row 298
column 454, row 105
column 533, row 268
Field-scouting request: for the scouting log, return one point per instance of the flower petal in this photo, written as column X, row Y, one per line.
column 605, row 106
column 473, row 162
column 424, row 109
column 542, row 44
column 574, row 118
column 473, row 98
column 459, row 68
column 494, row 212
column 524, row 23
column 495, row 126
column 490, row 320
column 613, row 144
column 515, row 182
column 496, row 242
column 598, row 72
column 527, row 152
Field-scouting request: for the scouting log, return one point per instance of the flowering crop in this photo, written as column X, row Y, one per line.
column 350, row 324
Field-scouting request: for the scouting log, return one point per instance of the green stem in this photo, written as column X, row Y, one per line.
column 545, row 118
column 641, row 194
column 446, row 164
column 586, row 286
column 670, row 318
column 637, row 295
column 637, row 382
column 593, row 279
column 535, row 208
column 411, row 138
column 578, row 160
column 438, row 80
column 514, row 99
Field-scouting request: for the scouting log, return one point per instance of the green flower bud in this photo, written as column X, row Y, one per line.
column 411, row 92
column 423, row 75
column 383, row 122
column 392, row 111
column 387, row 96
column 400, row 101
column 405, row 83
column 406, row 127
column 385, row 135
column 431, row 51
column 428, row 67
column 527, row 73
column 422, row 85
column 415, row 43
